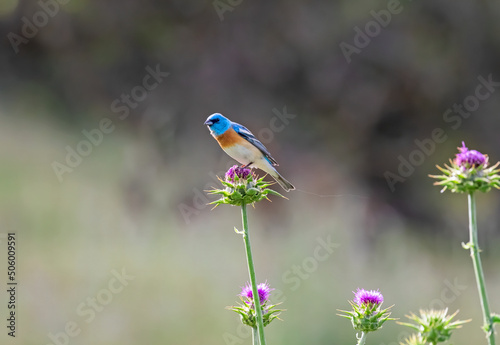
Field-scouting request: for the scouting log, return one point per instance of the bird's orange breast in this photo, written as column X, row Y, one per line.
column 229, row 138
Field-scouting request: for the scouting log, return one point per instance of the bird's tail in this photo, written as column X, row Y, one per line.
column 287, row 186
column 266, row 166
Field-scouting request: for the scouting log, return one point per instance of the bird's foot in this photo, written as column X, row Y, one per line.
column 246, row 165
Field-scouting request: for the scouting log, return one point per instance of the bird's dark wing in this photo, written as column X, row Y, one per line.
column 246, row 134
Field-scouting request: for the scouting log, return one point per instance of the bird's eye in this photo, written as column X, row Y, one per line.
column 215, row 120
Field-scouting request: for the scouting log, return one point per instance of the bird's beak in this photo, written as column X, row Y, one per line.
column 208, row 123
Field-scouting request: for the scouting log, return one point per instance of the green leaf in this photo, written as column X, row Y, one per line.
column 415, row 327
column 270, row 191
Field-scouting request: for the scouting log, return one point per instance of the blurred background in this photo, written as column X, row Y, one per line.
column 105, row 163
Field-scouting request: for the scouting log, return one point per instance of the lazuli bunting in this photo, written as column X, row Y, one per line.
column 239, row 143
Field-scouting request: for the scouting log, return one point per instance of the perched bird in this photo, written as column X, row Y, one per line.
column 239, row 143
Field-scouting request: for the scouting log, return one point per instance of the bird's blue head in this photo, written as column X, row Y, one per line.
column 218, row 124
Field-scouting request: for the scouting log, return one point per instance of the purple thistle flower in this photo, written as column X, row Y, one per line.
column 236, row 171
column 363, row 297
column 263, row 289
column 470, row 158
column 367, row 314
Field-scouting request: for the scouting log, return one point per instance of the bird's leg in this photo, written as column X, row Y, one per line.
column 246, row 165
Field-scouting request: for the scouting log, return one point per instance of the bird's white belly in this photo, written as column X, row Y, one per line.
column 243, row 154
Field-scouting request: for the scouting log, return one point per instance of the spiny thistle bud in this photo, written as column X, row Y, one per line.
column 468, row 172
column 247, row 308
column 367, row 314
column 242, row 187
column 414, row 339
column 433, row 326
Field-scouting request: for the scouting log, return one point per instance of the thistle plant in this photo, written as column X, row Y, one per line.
column 247, row 310
column 432, row 326
column 243, row 187
column 467, row 173
column 367, row 314
column 414, row 339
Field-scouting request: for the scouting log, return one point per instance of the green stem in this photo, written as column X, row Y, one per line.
column 251, row 271
column 362, row 340
column 255, row 336
column 478, row 270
